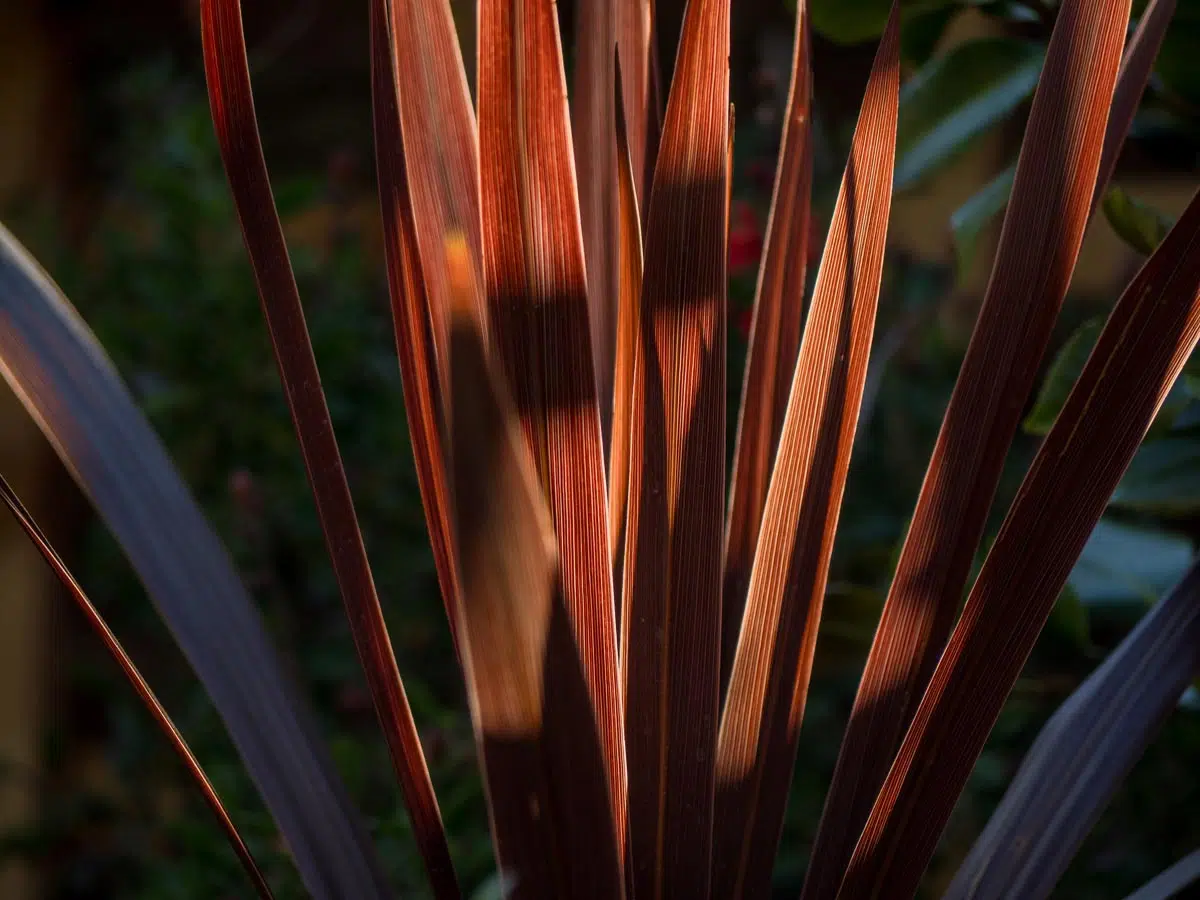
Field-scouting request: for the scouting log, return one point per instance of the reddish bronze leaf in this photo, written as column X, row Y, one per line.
column 232, row 106
column 629, row 300
column 441, row 146
column 1140, row 353
column 161, row 717
column 769, row 682
column 601, row 26
column 536, row 290
column 671, row 606
column 543, row 759
column 413, row 314
column 1041, row 236
column 776, row 325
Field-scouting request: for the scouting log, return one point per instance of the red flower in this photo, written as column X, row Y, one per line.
column 761, row 174
column 745, row 238
column 742, row 319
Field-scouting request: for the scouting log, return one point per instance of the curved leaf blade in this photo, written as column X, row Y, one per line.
column 775, row 329
column 1084, row 753
column 1140, row 353
column 671, row 609
column 441, row 150
column 1042, row 233
column 62, row 377
column 543, row 759
column 536, row 288
column 417, row 315
column 764, row 705
column 232, row 104
column 161, row 718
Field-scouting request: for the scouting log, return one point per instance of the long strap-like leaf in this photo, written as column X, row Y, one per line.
column 629, row 319
column 1042, row 233
column 608, row 32
column 61, row 375
column 1136, row 66
column 542, row 756
column 232, row 106
column 671, row 609
column 1172, row 882
column 441, row 148
column 775, row 330
column 416, row 316
column 161, row 718
column 1137, row 358
column 1083, row 753
column 765, row 702
column 537, row 300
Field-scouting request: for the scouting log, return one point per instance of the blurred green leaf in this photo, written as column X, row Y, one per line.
column 959, row 96
column 1176, row 64
column 1123, row 563
column 1064, row 371
column 1139, row 225
column 493, row 888
column 1070, row 619
column 1061, row 377
column 856, row 21
column 921, row 32
column 1163, row 479
column 969, row 220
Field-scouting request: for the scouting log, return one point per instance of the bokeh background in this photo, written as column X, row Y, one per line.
column 109, row 171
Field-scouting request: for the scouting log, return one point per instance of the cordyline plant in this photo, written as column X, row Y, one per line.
column 636, row 659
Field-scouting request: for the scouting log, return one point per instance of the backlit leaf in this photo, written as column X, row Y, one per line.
column 232, row 105
column 543, row 758
column 1040, row 240
column 1084, row 753
column 671, row 608
column 536, row 287
column 1142, row 350
column 769, row 682
column 775, row 329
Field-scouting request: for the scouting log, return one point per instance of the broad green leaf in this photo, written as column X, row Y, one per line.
column 1139, row 225
column 1065, row 370
column 1070, row 618
column 1163, row 479
column 857, row 21
column 959, row 96
column 1061, row 377
column 970, row 219
column 1177, row 60
column 1122, row 563
column 921, row 33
